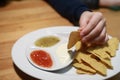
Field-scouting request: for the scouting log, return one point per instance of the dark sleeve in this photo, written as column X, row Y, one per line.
column 93, row 4
column 70, row 9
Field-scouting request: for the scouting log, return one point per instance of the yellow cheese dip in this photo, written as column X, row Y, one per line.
column 47, row 41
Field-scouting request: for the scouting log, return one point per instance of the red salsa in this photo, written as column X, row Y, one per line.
column 41, row 58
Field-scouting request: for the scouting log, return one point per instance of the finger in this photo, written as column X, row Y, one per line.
column 95, row 32
column 106, row 38
column 103, row 41
column 81, row 28
column 102, row 38
column 92, row 24
column 84, row 19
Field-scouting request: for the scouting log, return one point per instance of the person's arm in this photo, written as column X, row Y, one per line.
column 70, row 9
column 109, row 3
column 95, row 4
column 92, row 4
column 92, row 24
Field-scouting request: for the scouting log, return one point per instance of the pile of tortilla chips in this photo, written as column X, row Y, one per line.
column 92, row 59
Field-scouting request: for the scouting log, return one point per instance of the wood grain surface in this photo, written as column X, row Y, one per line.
column 20, row 17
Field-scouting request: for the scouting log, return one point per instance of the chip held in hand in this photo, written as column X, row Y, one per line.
column 73, row 38
column 92, row 59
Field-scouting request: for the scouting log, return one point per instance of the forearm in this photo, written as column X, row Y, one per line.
column 108, row 3
column 70, row 9
column 93, row 4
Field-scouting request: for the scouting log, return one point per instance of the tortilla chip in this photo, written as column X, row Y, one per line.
column 105, row 61
column 113, row 45
column 78, row 45
column 97, row 65
column 73, row 38
column 99, row 51
column 84, row 67
column 80, row 71
column 78, row 57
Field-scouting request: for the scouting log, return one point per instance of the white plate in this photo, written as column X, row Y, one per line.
column 68, row 73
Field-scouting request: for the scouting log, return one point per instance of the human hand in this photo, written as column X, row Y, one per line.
column 92, row 28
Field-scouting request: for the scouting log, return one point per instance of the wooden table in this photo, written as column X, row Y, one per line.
column 20, row 17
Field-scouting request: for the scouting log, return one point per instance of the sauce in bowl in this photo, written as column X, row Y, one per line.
column 41, row 58
column 47, row 41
